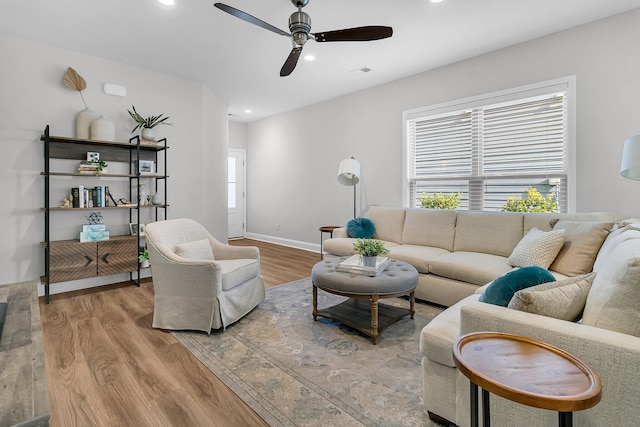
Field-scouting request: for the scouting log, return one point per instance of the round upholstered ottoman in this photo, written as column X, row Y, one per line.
column 362, row 311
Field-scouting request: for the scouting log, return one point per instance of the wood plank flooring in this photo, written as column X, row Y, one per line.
column 106, row 365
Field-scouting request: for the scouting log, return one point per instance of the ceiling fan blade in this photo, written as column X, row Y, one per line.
column 358, row 34
column 291, row 62
column 250, row 19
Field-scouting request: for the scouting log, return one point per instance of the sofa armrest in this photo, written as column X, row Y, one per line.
column 340, row 232
column 613, row 355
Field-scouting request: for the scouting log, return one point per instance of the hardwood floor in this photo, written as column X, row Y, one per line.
column 106, row 365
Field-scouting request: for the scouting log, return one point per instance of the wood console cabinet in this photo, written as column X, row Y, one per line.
column 67, row 260
column 73, row 260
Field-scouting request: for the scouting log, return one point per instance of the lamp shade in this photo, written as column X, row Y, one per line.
column 630, row 165
column 349, row 172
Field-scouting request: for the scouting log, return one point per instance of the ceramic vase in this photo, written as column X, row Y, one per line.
column 83, row 122
column 103, row 129
column 156, row 199
column 144, row 264
column 148, row 134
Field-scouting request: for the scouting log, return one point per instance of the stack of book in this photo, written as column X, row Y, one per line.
column 94, row 233
column 354, row 265
column 90, row 168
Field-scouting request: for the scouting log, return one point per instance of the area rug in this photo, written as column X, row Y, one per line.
column 294, row 371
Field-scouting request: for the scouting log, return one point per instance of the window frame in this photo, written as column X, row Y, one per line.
column 565, row 84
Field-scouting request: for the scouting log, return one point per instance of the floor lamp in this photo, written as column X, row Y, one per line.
column 349, row 174
column 630, row 165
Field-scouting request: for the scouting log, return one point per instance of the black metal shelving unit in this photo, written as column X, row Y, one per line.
column 131, row 152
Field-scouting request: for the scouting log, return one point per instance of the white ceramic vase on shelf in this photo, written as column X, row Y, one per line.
column 103, row 129
column 83, row 122
column 148, row 134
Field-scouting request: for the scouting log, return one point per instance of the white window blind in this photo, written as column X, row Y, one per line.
column 490, row 149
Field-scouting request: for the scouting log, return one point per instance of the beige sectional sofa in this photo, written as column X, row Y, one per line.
column 607, row 338
column 455, row 252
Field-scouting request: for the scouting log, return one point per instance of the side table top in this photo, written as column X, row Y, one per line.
column 527, row 371
column 329, row 228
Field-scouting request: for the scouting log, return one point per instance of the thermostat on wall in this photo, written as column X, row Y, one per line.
column 117, row 90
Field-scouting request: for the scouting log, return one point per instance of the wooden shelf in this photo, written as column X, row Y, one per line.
column 106, row 175
column 98, row 143
column 95, row 208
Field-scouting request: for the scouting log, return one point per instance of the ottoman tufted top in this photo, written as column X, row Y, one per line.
column 397, row 278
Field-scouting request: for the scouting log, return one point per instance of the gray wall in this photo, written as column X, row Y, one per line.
column 33, row 95
column 294, row 157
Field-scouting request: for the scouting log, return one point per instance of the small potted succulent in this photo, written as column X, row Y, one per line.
column 147, row 124
column 369, row 249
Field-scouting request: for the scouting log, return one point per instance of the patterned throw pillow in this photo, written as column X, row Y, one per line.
column 564, row 299
column 198, row 249
column 361, row 228
column 537, row 248
column 501, row 290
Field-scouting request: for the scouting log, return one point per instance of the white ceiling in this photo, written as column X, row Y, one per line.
column 241, row 62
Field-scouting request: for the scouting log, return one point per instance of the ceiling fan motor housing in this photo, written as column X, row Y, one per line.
column 300, row 26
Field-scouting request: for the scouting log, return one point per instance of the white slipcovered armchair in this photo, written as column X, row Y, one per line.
column 200, row 283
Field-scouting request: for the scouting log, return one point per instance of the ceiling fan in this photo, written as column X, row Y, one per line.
column 300, row 27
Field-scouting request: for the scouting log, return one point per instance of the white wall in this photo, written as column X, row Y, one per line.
column 238, row 135
column 294, row 157
column 32, row 95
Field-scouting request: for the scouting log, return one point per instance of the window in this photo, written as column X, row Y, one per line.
column 492, row 147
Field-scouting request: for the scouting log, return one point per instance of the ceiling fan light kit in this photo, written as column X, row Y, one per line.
column 300, row 28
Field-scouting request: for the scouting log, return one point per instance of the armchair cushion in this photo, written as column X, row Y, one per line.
column 237, row 271
column 197, row 249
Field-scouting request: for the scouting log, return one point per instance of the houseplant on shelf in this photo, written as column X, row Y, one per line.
column 147, row 124
column 143, row 258
column 369, row 249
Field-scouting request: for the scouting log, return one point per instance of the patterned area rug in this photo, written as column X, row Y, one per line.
column 294, row 371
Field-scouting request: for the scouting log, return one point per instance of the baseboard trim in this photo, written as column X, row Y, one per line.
column 306, row 246
column 93, row 282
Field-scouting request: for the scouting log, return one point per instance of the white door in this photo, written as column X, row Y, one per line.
column 236, row 192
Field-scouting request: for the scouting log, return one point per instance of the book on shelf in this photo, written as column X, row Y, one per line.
column 354, row 265
column 75, row 196
column 94, row 236
column 93, row 227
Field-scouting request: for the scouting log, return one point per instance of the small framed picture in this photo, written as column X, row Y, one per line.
column 134, row 228
column 147, row 166
column 93, row 157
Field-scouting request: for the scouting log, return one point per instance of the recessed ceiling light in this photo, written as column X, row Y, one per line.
column 247, row 111
column 309, row 57
column 436, row 1
column 167, row 2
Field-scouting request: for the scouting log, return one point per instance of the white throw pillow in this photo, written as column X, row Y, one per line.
column 198, row 249
column 614, row 239
column 563, row 299
column 538, row 248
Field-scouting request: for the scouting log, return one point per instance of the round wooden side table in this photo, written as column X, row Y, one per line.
column 326, row 229
column 525, row 371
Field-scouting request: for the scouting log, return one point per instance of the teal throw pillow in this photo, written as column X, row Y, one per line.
column 361, row 228
column 500, row 290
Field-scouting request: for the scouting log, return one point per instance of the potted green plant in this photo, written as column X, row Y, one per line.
column 369, row 249
column 147, row 124
column 143, row 258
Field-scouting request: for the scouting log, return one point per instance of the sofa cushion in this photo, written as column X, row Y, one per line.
column 197, row 249
column 582, row 242
column 613, row 302
column 361, row 228
column 388, row 222
column 418, row 256
column 470, row 267
column 537, row 248
column 541, row 220
column 437, row 337
column 561, row 299
column 495, row 233
column 614, row 238
column 501, row 290
column 430, row 227
column 343, row 246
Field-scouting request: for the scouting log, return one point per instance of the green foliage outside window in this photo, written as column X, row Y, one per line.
column 535, row 202
column 440, row 201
